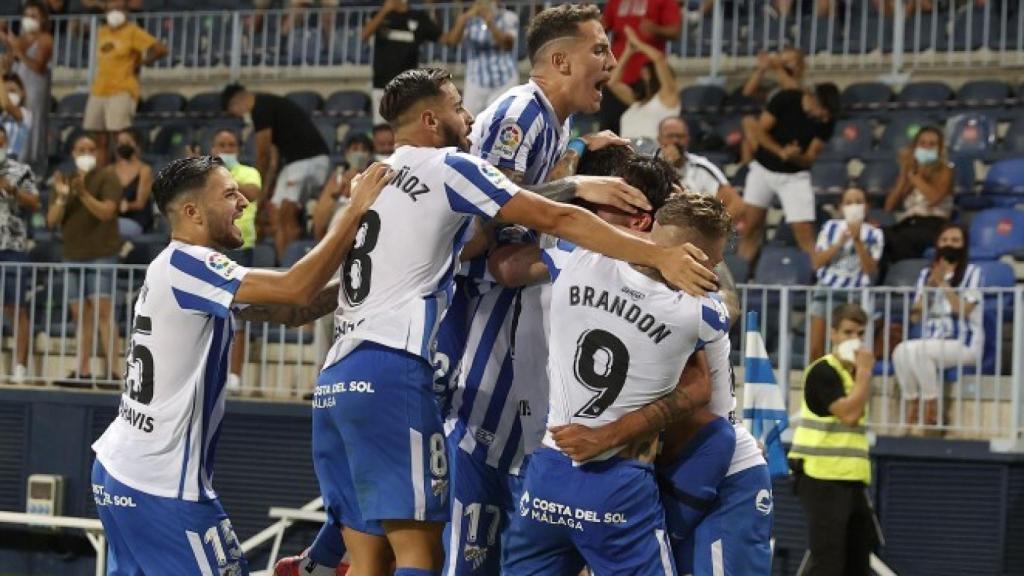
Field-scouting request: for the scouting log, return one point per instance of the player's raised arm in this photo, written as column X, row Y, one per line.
column 301, row 283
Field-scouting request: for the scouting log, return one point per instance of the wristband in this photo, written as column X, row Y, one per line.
column 578, row 146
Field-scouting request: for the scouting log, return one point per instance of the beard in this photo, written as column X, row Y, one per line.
column 451, row 137
column 226, row 237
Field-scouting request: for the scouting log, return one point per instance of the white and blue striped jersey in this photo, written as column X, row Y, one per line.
column 844, row 270
column 487, row 64
column 520, row 131
column 723, row 403
column 398, row 278
column 940, row 322
column 164, row 438
column 620, row 341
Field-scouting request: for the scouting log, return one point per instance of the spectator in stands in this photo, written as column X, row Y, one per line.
column 29, row 54
column 84, row 209
column 652, row 97
column 18, row 198
column 948, row 309
column 122, row 48
column 657, row 22
column 250, row 184
column 136, row 179
column 774, row 72
column 335, row 194
column 398, row 32
column 278, row 122
column 489, row 34
column 924, row 190
column 383, row 141
column 696, row 173
column 845, row 257
column 791, row 132
column 15, row 116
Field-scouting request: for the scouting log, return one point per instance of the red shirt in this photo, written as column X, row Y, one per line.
column 618, row 14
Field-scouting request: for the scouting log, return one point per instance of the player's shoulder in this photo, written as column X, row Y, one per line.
column 199, row 261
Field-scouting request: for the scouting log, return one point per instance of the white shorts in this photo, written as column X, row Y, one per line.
column 794, row 192
column 477, row 98
column 296, row 178
column 109, row 113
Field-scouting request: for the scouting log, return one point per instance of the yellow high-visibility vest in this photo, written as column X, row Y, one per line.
column 830, row 449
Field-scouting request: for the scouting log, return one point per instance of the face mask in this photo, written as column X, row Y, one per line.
column 126, row 151
column 29, row 25
column 853, row 213
column 15, row 98
column 357, row 160
column 115, row 18
column 846, row 350
column 951, row 254
column 85, row 162
column 926, row 155
column 230, row 160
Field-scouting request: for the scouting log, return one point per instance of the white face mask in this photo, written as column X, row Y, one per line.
column 15, row 98
column 230, row 160
column 29, row 25
column 115, row 18
column 853, row 213
column 847, row 350
column 85, row 162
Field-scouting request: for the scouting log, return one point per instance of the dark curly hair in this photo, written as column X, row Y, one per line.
column 560, row 21
column 410, row 87
column 181, row 176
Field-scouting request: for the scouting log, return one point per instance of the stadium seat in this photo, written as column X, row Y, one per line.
column 73, row 103
column 740, row 104
column 829, row 178
column 783, row 266
column 963, row 174
column 702, row 99
column 879, row 218
column 47, row 251
column 328, row 128
column 997, row 232
column 879, row 176
column 204, row 102
column 1006, row 178
column 263, row 256
column 730, row 131
column 295, row 251
column 970, row 134
column 861, row 96
column 1013, row 142
column 851, row 139
column 308, row 100
column 983, row 93
column 918, row 95
column 348, row 103
column 163, row 103
column 905, row 272
column 171, row 139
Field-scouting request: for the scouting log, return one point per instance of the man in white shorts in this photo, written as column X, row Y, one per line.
column 792, row 131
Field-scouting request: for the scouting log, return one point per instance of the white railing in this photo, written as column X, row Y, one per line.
column 282, row 363
column 725, row 37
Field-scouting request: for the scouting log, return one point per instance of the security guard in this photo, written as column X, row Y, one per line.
column 830, row 452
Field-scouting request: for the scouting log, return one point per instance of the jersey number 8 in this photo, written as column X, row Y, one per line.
column 594, row 347
column 358, row 267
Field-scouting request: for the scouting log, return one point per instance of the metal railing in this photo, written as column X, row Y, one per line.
column 722, row 37
column 980, row 397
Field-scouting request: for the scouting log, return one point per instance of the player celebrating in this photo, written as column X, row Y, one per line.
column 621, row 342
column 378, row 448
column 154, row 464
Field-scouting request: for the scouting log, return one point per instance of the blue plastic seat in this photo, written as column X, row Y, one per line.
column 918, row 95
column 879, row 176
column 164, row 103
column 971, row 134
column 1006, row 179
column 328, row 128
column 1013, row 143
column 900, row 132
column 783, row 266
column 73, row 103
column 983, row 93
column 348, row 103
column 851, row 139
column 204, row 102
column 308, row 100
column 829, row 178
column 702, row 99
column 861, row 96
column 739, row 267
column 905, row 272
column 997, row 232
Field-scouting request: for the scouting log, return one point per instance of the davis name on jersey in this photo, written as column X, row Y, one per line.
column 164, row 437
column 621, row 340
column 398, row 278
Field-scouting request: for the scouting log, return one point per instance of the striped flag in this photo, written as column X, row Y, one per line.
column 764, row 411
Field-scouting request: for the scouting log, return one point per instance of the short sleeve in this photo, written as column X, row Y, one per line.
column 971, row 284
column 107, row 187
column 510, row 138
column 822, row 387
column 142, row 40
column 556, row 257
column 876, row 243
column 714, row 320
column 204, row 281
column 475, row 187
column 825, row 236
column 248, row 176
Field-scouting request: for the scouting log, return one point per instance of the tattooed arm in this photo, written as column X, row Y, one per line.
column 294, row 316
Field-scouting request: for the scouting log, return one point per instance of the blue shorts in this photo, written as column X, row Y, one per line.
column 483, row 502
column 16, row 279
column 154, row 536
column 605, row 515
column 378, row 443
column 734, row 538
column 95, row 278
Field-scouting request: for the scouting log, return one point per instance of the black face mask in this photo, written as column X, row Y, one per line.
column 125, row 151
column 951, row 254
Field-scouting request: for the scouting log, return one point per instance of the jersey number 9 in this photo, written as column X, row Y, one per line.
column 594, row 347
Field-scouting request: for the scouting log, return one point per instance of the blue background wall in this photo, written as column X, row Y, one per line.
column 947, row 507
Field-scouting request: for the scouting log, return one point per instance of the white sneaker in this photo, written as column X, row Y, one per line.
column 20, row 374
column 234, row 383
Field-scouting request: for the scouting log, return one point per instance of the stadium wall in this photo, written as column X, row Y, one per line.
column 947, row 507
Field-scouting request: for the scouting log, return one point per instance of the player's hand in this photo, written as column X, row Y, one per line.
column 580, row 442
column 864, row 360
column 367, row 186
column 604, row 139
column 611, row 191
column 789, row 151
column 683, row 267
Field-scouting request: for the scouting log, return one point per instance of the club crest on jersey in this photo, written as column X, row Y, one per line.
column 510, row 135
column 220, row 264
column 763, row 502
column 439, row 487
column 475, row 555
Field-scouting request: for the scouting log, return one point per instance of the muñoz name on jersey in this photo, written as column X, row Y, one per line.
column 398, row 278
column 164, row 437
column 621, row 340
